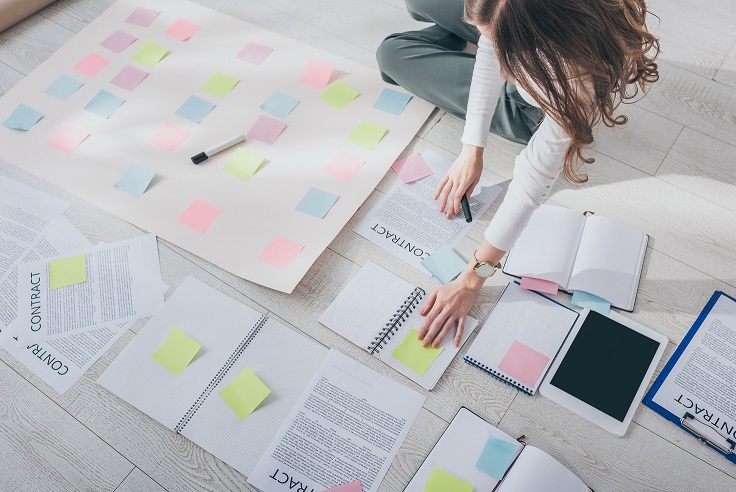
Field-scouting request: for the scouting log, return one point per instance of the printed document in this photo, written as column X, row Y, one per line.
column 703, row 381
column 25, row 216
column 123, row 283
column 407, row 223
column 348, row 425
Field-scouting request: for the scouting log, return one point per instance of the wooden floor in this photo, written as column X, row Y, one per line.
column 670, row 173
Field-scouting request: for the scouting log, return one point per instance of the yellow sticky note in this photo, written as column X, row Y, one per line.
column 220, row 84
column 441, row 481
column 367, row 134
column 176, row 352
column 243, row 164
column 68, row 271
column 150, row 54
column 411, row 353
column 244, row 393
column 338, row 95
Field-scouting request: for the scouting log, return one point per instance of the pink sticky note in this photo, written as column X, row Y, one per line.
column 68, row 138
column 169, row 136
column 199, row 215
column 540, row 285
column 118, row 41
column 254, row 53
column 280, row 252
column 129, row 77
column 142, row 17
column 344, row 165
column 317, row 74
column 348, row 487
column 411, row 168
column 266, row 129
column 91, row 64
column 523, row 363
column 182, row 29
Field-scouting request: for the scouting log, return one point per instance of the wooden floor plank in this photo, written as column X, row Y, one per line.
column 727, row 71
column 138, row 481
column 43, row 448
column 28, row 43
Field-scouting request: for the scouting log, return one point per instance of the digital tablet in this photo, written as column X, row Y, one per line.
column 603, row 369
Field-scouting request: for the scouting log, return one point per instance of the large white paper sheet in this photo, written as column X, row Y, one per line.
column 407, row 223
column 366, row 416
column 254, row 212
column 123, row 284
column 25, row 216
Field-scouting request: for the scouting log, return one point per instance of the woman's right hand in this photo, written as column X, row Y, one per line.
column 461, row 179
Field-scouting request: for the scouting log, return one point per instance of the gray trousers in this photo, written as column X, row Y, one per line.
column 430, row 63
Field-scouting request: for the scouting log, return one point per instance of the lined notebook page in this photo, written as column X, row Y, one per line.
column 429, row 379
column 212, row 319
column 524, row 316
column 364, row 306
column 285, row 361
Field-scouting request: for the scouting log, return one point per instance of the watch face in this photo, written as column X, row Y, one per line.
column 484, row 270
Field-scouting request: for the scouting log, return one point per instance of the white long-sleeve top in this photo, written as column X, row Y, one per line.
column 536, row 168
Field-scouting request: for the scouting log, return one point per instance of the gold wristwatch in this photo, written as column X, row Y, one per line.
column 484, row 269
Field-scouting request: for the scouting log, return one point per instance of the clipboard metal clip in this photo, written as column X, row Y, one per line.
column 685, row 423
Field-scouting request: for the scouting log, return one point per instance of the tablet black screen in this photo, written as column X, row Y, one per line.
column 605, row 365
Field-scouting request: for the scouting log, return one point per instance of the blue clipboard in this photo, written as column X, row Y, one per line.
column 682, row 421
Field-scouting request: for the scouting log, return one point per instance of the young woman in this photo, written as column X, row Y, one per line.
column 546, row 72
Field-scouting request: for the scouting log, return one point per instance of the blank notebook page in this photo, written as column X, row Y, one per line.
column 536, row 470
column 364, row 306
column 524, row 316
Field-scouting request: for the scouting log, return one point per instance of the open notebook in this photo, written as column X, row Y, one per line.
column 581, row 252
column 521, row 337
column 378, row 311
column 463, row 453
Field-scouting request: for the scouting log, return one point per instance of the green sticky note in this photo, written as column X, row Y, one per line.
column 220, row 84
column 367, row 134
column 244, row 393
column 338, row 95
column 411, row 353
column 441, row 481
column 150, row 54
column 68, row 271
column 243, row 164
column 176, row 352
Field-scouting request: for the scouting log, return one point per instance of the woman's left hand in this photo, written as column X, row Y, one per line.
column 448, row 305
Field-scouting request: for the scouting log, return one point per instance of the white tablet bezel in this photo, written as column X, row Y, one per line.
column 585, row 410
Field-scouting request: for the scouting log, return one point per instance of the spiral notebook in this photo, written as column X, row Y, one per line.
column 378, row 312
column 233, row 337
column 521, row 337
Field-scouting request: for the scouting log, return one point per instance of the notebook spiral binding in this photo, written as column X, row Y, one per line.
column 394, row 323
column 498, row 375
column 229, row 363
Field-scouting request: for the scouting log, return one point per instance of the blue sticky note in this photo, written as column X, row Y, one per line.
column 104, row 104
column 317, row 203
column 135, row 180
column 594, row 303
column 195, row 109
column 444, row 264
column 392, row 101
column 280, row 105
column 496, row 457
column 23, row 118
column 63, row 87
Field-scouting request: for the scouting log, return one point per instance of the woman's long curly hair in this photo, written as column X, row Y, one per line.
column 579, row 59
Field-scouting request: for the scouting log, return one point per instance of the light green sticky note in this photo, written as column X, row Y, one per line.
column 338, row 95
column 150, row 54
column 68, row 271
column 176, row 352
column 244, row 393
column 367, row 134
column 411, row 353
column 243, row 164
column 441, row 481
column 220, row 84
